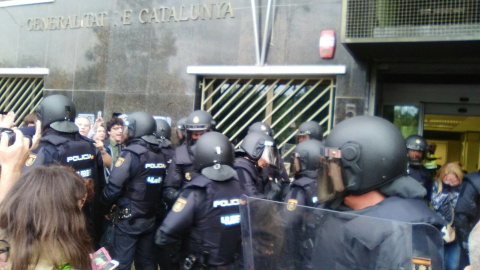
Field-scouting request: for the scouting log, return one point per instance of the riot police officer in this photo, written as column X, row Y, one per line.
column 416, row 150
column 166, row 257
column 309, row 130
column 135, row 187
column 366, row 160
column 181, row 169
column 257, row 152
column 271, row 173
column 163, row 134
column 207, row 208
column 61, row 143
column 180, row 131
column 304, row 166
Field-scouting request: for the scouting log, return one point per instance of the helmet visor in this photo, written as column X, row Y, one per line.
column 330, row 177
column 270, row 155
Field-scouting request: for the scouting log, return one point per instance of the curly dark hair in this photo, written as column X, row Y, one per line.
column 113, row 122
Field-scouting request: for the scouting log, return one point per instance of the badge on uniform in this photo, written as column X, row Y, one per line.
column 292, row 204
column 422, row 263
column 30, row 160
column 119, row 162
column 179, row 205
column 188, row 176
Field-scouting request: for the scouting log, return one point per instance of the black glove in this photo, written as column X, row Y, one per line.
column 275, row 191
column 170, row 195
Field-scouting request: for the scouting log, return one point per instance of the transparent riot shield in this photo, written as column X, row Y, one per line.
column 288, row 236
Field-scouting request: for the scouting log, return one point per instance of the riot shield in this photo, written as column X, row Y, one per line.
column 288, row 236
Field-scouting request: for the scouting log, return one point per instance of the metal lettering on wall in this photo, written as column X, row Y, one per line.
column 181, row 13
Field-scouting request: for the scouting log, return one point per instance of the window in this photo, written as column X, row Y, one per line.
column 20, row 94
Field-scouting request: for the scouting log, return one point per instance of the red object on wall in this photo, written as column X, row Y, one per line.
column 327, row 44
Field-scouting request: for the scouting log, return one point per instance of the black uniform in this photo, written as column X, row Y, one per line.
column 180, row 171
column 78, row 152
column 209, row 211
column 467, row 211
column 303, row 190
column 250, row 176
column 423, row 176
column 135, row 187
column 352, row 245
column 167, row 257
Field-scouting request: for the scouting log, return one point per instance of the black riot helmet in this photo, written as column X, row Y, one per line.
column 258, row 145
column 57, row 112
column 213, row 155
column 163, row 129
column 198, row 121
column 261, row 127
column 309, row 130
column 416, row 143
column 163, row 133
column 180, row 130
column 305, row 156
column 361, row 154
column 141, row 125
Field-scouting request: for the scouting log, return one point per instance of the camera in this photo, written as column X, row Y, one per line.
column 10, row 133
column 12, row 136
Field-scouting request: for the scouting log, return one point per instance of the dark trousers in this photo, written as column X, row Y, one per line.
column 138, row 248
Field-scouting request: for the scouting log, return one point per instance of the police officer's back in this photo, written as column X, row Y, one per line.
column 181, row 169
column 62, row 144
column 135, row 187
column 207, row 208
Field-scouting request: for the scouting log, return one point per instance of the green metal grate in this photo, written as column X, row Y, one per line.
column 428, row 19
column 236, row 103
column 20, row 94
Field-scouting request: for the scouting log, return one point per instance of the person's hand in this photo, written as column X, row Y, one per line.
column 99, row 145
column 12, row 159
column 98, row 122
column 14, row 156
column 38, row 135
column 7, row 120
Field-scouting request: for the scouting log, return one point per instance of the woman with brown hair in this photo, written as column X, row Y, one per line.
column 42, row 220
column 445, row 193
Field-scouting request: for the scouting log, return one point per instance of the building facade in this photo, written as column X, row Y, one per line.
column 251, row 60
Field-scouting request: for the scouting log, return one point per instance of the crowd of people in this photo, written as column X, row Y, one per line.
column 74, row 186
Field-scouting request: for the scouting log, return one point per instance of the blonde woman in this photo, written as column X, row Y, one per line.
column 445, row 192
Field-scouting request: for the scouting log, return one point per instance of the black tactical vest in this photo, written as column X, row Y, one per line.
column 144, row 189
column 309, row 187
column 217, row 229
column 74, row 152
column 184, row 162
